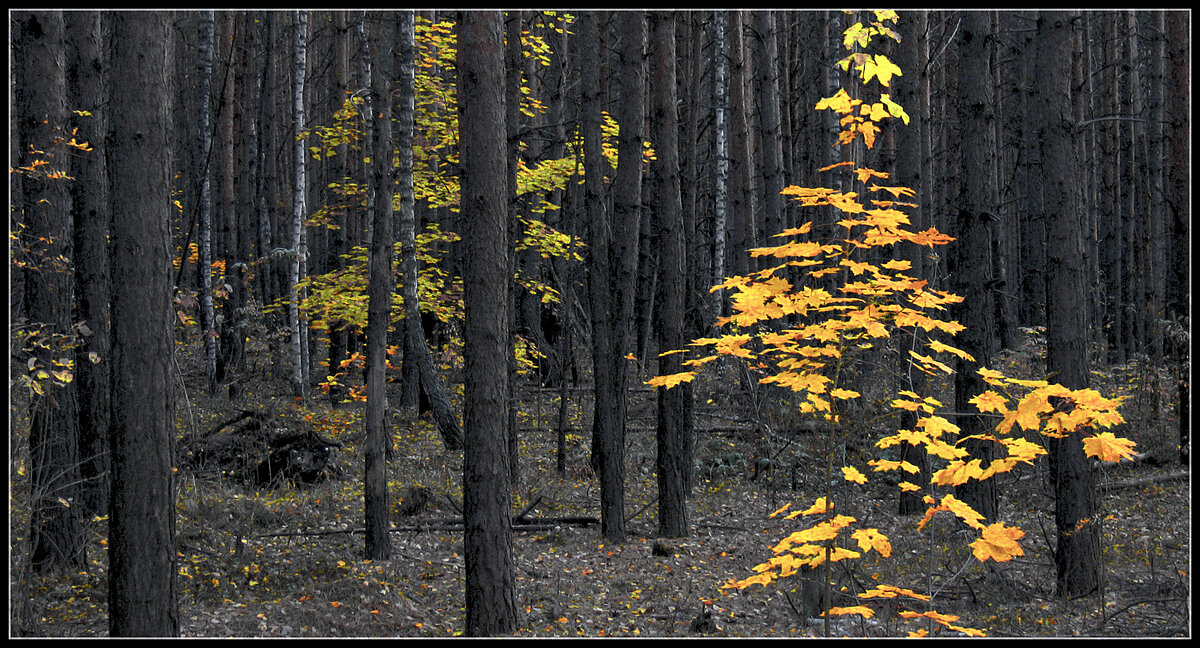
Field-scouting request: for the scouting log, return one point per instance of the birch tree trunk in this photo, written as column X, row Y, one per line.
column 299, row 68
column 721, row 177
column 204, row 151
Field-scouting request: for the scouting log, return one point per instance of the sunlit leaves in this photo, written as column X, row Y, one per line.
column 860, row 610
column 671, row 380
column 872, row 539
column 797, row 336
column 952, row 504
column 1106, row 446
column 880, row 67
column 999, row 543
column 891, row 592
column 946, row 620
column 853, row 475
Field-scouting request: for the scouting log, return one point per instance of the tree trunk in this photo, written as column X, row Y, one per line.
column 597, row 215
column 618, row 286
column 205, row 155
column 299, row 380
column 90, row 203
column 1077, row 554
column 912, row 170
column 383, row 180
column 674, row 425
column 743, row 203
column 56, row 535
column 142, row 511
column 721, row 137
column 766, row 86
column 973, row 270
column 1178, row 171
column 416, row 348
column 490, row 602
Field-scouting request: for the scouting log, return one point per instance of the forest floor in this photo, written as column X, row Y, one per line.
column 287, row 562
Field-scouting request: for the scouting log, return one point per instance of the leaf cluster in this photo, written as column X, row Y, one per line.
column 801, row 319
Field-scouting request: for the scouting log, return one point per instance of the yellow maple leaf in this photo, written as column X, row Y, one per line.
column 819, row 506
column 968, row 515
column 844, row 394
column 869, row 539
column 958, row 473
column 881, row 465
column 839, row 102
column 991, row 376
column 881, row 67
column 1106, row 446
column 930, row 362
column 998, row 542
column 934, row 426
column 671, row 380
column 763, row 579
column 895, row 191
column 891, row 591
column 940, row 348
column 857, row 267
column 894, row 108
column 990, row 401
column 865, row 174
column 841, row 553
column 857, row 609
column 852, row 474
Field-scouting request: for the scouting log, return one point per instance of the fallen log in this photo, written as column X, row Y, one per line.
column 451, row 524
column 1152, row 479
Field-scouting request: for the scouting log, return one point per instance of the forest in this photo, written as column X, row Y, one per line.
column 701, row 323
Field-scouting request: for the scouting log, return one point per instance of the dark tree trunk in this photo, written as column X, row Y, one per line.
column 766, row 86
column 56, row 534
column 743, row 207
column 674, row 425
column 1077, row 553
column 912, row 170
column 1178, row 171
column 383, row 180
column 490, row 603
column 614, row 311
column 973, row 267
column 90, row 203
column 142, row 510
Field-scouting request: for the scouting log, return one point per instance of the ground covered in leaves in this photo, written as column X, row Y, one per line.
column 286, row 561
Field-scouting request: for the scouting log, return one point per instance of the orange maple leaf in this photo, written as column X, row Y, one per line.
column 852, row 474
column 1106, row 446
column 999, row 543
column 857, row 609
column 671, row 380
column 869, row 539
column 990, row 401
